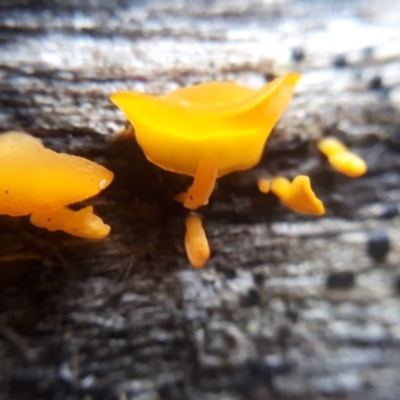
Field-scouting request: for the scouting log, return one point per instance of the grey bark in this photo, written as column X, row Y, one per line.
column 288, row 307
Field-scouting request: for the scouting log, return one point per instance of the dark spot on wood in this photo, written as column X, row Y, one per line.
column 298, row 54
column 378, row 245
column 172, row 390
column 258, row 367
column 397, row 284
column 292, row 315
column 252, row 297
column 340, row 61
column 230, row 274
column 259, row 279
column 375, row 83
column 394, row 135
column 282, row 335
column 340, row 280
column 277, row 365
column 389, row 210
column 269, row 76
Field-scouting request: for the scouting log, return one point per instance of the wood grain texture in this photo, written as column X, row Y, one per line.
column 288, row 307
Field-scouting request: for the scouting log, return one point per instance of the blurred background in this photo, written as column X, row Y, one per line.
column 160, row 45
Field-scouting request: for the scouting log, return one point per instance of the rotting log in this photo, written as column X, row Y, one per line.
column 288, row 307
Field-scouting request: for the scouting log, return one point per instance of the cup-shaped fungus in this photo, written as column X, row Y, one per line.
column 38, row 181
column 207, row 130
column 341, row 158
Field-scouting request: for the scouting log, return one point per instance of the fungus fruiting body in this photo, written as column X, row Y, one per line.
column 82, row 223
column 38, row 181
column 297, row 195
column 264, row 185
column 203, row 185
column 341, row 158
column 207, row 130
column 196, row 243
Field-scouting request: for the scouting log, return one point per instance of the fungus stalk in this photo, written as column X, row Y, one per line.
column 196, row 243
column 204, row 181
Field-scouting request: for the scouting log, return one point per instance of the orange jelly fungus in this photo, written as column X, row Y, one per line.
column 341, row 158
column 297, row 195
column 264, row 185
column 196, row 243
column 38, row 181
column 82, row 223
column 207, row 130
column 203, row 185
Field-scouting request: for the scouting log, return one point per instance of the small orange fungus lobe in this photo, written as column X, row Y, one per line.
column 220, row 123
column 298, row 195
column 341, row 158
column 36, row 180
column 82, row 223
column 264, row 185
column 196, row 243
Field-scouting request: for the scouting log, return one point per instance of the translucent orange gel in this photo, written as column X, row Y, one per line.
column 34, row 179
column 222, row 122
column 297, row 195
column 341, row 158
column 196, row 243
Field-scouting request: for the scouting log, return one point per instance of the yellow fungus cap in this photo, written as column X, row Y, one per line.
column 341, row 158
column 36, row 179
column 219, row 121
column 298, row 195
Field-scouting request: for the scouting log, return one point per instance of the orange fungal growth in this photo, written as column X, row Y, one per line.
column 196, row 243
column 341, row 158
column 207, row 130
column 34, row 179
column 198, row 194
column 82, row 223
column 264, row 185
column 297, row 195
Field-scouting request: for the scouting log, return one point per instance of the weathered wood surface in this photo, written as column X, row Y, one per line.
column 289, row 307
